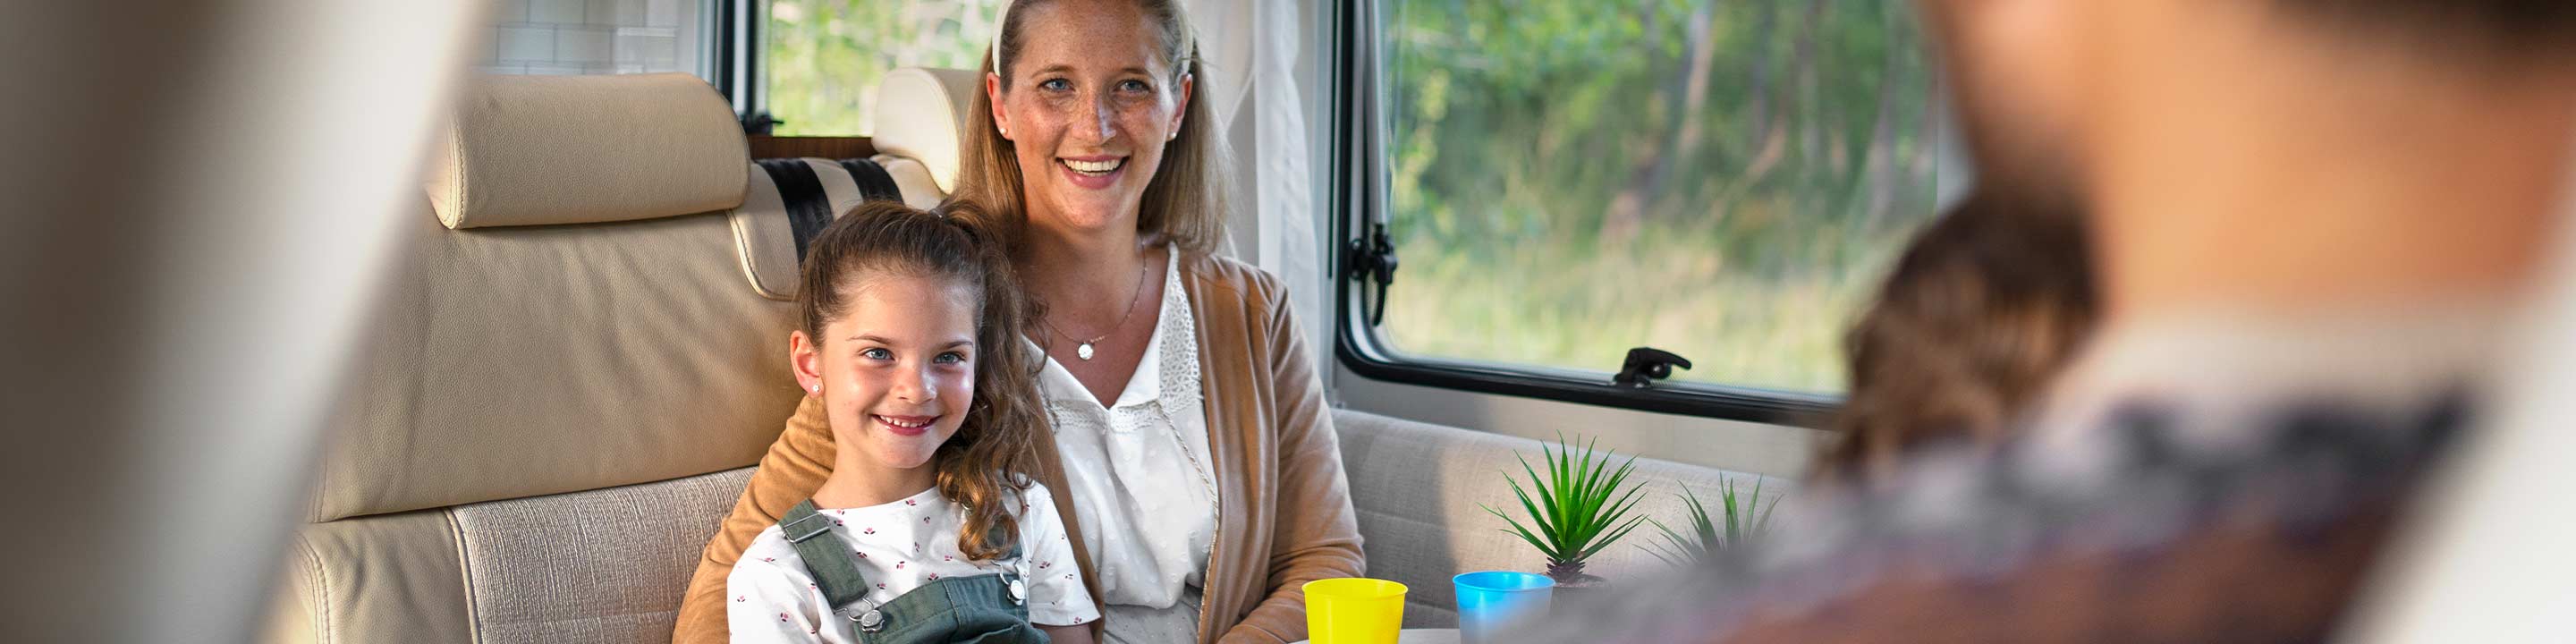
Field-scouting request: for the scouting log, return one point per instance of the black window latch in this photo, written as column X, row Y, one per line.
column 1645, row 365
column 760, row 123
column 1371, row 258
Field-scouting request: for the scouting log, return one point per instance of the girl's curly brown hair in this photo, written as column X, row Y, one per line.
column 989, row 462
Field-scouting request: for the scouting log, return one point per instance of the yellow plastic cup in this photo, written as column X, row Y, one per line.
column 1354, row 610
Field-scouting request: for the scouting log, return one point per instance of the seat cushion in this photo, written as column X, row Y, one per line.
column 603, row 565
column 372, row 579
column 598, row 566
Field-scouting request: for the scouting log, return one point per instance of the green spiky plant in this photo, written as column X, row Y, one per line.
column 1736, row 522
column 1579, row 507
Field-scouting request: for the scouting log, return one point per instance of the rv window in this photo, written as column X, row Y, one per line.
column 597, row 37
column 1564, row 180
column 821, row 59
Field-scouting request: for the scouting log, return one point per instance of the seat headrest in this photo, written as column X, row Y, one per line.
column 920, row 113
column 790, row 201
column 533, row 150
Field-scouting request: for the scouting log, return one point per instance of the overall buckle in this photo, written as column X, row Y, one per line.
column 791, row 527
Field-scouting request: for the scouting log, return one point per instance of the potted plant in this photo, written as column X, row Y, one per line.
column 1577, row 508
column 1737, row 520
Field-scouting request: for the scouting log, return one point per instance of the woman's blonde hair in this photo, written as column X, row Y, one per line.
column 989, row 462
column 1184, row 204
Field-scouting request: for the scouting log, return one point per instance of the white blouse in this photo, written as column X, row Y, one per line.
column 1139, row 473
column 900, row 546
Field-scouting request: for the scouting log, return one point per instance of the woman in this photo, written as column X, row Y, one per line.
column 1191, row 439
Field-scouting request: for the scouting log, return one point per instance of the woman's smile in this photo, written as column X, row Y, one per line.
column 1093, row 172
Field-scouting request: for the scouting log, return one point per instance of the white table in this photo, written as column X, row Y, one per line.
column 1421, row 636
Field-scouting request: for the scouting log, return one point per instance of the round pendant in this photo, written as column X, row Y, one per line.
column 1082, row 351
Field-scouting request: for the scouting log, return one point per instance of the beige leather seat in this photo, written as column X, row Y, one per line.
column 582, row 352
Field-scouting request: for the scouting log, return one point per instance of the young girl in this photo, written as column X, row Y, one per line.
column 930, row 528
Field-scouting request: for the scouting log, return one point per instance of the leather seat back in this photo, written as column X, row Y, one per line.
column 582, row 352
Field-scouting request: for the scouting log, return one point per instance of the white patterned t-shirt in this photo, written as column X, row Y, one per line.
column 899, row 546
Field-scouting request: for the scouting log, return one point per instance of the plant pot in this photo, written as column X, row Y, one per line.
column 1582, row 588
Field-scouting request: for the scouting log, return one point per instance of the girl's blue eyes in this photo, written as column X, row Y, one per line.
column 1133, row 86
column 951, row 357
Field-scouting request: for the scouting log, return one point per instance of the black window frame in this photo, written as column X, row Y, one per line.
column 737, row 71
column 1358, row 198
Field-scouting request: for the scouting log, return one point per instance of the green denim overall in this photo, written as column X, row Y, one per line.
column 983, row 609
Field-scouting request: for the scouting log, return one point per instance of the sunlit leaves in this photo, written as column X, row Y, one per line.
column 823, row 58
column 1517, row 123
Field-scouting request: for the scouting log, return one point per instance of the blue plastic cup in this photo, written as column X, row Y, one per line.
column 1491, row 600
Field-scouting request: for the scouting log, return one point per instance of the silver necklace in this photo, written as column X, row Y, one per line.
column 1083, row 349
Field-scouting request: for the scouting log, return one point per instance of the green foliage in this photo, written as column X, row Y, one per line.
column 1722, row 178
column 1705, row 539
column 1578, row 508
column 825, row 57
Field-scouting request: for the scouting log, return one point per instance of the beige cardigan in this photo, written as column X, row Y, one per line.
column 1284, row 513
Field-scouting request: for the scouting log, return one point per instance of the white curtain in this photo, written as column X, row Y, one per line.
column 1253, row 52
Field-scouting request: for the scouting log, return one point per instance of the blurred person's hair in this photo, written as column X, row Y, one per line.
column 1981, row 311
column 2513, row 28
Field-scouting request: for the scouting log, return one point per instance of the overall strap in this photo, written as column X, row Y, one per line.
column 828, row 559
column 1015, row 573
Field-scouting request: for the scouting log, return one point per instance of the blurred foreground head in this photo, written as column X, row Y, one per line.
column 2279, row 153
column 2310, row 222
